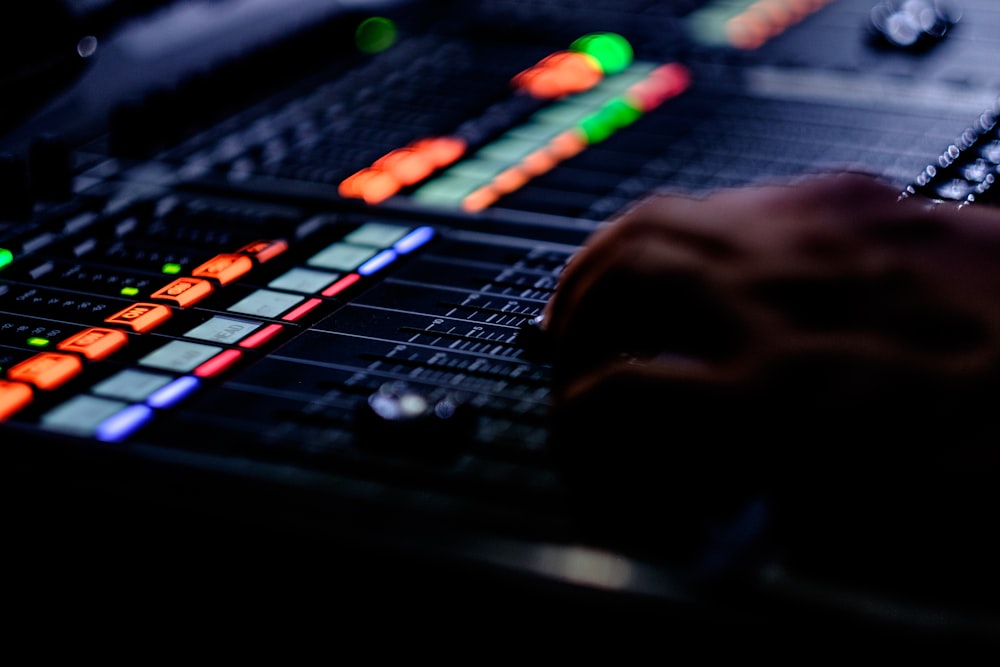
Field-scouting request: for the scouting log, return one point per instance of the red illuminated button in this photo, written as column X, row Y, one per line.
column 262, row 336
column 141, row 317
column 184, row 291
column 218, row 363
column 224, row 268
column 95, row 343
column 302, row 310
column 13, row 397
column 264, row 250
column 47, row 370
column 341, row 284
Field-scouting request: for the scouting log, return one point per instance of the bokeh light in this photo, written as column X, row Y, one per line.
column 612, row 51
column 375, row 34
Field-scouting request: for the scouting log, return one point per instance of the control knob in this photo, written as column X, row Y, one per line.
column 399, row 419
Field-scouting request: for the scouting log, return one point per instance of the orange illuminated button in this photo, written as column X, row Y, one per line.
column 184, row 291
column 224, row 268
column 13, row 397
column 264, row 250
column 141, row 317
column 95, row 343
column 47, row 370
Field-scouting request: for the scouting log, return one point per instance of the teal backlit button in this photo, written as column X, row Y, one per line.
column 507, row 150
column 81, row 415
column 223, row 330
column 266, row 303
column 377, row 234
column 306, row 281
column 179, row 356
column 450, row 189
column 342, row 257
column 131, row 385
column 475, row 171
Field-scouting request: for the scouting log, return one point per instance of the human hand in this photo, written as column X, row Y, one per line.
column 820, row 341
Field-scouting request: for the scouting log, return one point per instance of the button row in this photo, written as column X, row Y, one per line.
column 119, row 405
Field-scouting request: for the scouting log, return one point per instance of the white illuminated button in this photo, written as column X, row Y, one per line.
column 342, row 257
column 131, row 385
column 81, row 415
column 180, row 356
column 377, row 234
column 266, row 303
column 302, row 280
column 223, row 330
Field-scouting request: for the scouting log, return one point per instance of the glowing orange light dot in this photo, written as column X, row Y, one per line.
column 509, row 180
column 566, row 145
column 353, row 185
column 777, row 11
column 480, row 199
column 538, row 163
column 442, row 151
column 559, row 74
column 379, row 187
column 746, row 32
column 406, row 165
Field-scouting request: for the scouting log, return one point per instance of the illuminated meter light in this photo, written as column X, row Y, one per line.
column 553, row 135
column 562, row 104
column 747, row 24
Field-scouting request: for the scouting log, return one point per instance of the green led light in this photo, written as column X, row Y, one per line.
column 35, row 341
column 595, row 128
column 171, row 268
column 132, row 291
column 620, row 112
column 612, row 51
column 614, row 115
column 6, row 257
column 375, row 34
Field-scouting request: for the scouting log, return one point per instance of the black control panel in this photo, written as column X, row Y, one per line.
column 285, row 271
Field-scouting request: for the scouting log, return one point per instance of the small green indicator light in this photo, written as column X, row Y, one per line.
column 620, row 112
column 132, row 291
column 375, row 34
column 614, row 115
column 35, row 341
column 171, row 269
column 6, row 257
column 612, row 51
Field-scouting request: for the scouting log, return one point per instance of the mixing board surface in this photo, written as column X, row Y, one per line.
column 268, row 273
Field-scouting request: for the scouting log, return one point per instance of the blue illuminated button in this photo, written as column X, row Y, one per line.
column 378, row 262
column 413, row 240
column 174, row 392
column 123, row 424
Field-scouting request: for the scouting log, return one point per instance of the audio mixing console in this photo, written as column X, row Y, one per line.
column 278, row 264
